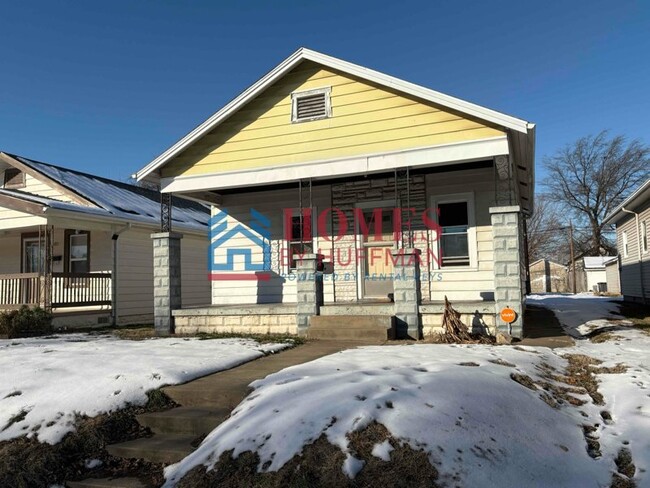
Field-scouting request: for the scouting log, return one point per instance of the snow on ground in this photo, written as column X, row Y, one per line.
column 581, row 314
column 477, row 425
column 475, row 422
column 50, row 380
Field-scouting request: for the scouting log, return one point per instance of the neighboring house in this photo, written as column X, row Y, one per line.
column 613, row 276
column 590, row 273
column 632, row 220
column 82, row 245
column 547, row 276
column 350, row 147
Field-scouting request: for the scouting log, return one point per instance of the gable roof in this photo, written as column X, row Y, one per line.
column 514, row 124
column 640, row 195
column 105, row 197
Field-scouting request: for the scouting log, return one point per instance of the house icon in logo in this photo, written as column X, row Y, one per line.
column 256, row 255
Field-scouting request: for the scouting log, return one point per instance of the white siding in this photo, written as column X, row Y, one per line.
column 280, row 288
column 634, row 271
column 135, row 274
column 472, row 283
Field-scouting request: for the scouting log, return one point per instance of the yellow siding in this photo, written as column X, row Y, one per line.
column 366, row 119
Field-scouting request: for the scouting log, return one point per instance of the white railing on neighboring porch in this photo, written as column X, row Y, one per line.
column 20, row 289
column 64, row 290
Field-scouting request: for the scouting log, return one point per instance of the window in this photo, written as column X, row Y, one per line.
column 299, row 235
column 77, row 251
column 311, row 105
column 625, row 249
column 453, row 219
column 644, row 236
column 14, row 178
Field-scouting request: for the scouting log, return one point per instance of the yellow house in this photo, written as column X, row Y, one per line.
column 349, row 203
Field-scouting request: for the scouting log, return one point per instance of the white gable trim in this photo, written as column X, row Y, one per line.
column 359, row 165
column 418, row 91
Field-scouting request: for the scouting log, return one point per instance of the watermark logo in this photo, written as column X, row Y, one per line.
column 246, row 243
column 243, row 251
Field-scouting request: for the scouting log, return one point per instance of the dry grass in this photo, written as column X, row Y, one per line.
column 27, row 463
column 319, row 465
column 599, row 338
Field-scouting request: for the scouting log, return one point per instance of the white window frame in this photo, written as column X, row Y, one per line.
column 72, row 259
column 434, row 245
column 327, row 91
column 644, row 236
column 625, row 249
column 287, row 244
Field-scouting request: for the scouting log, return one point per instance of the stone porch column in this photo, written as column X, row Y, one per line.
column 407, row 295
column 507, row 238
column 166, row 279
column 309, row 288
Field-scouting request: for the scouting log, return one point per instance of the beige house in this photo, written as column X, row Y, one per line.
column 632, row 221
column 81, row 245
column 390, row 195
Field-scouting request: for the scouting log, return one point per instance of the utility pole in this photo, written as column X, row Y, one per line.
column 573, row 263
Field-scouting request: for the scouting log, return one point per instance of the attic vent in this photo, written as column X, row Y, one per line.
column 311, row 105
column 14, row 178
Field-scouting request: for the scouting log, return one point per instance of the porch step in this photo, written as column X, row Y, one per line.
column 193, row 421
column 358, row 309
column 352, row 327
column 161, row 448
column 106, row 483
column 226, row 396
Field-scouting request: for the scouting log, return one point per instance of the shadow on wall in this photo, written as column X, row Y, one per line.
column 635, row 282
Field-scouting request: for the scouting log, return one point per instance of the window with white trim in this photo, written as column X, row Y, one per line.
column 311, row 105
column 454, row 239
column 644, row 236
column 625, row 247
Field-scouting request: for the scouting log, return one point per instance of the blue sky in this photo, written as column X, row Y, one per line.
column 104, row 87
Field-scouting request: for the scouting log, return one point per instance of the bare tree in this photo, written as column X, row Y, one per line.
column 591, row 177
column 546, row 231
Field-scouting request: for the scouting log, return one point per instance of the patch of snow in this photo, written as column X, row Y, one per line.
column 583, row 313
column 383, row 450
column 93, row 463
column 47, row 382
column 475, row 423
column 352, row 466
column 627, row 396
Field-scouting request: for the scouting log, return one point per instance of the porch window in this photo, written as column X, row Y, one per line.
column 644, row 236
column 14, row 178
column 454, row 238
column 300, row 239
column 78, row 251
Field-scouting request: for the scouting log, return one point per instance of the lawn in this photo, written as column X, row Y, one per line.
column 47, row 383
column 480, row 415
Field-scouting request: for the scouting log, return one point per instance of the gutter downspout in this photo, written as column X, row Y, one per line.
column 115, row 237
column 638, row 243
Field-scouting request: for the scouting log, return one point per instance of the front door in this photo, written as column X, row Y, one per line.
column 377, row 264
column 33, row 255
column 33, row 261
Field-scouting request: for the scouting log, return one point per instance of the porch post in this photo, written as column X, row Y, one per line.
column 166, row 279
column 509, row 277
column 309, row 287
column 407, row 294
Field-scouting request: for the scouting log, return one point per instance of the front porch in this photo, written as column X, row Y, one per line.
column 65, row 271
column 279, row 318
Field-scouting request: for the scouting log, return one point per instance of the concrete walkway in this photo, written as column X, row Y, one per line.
column 543, row 329
column 205, row 403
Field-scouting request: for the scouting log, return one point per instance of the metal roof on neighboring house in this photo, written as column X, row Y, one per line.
column 111, row 198
column 597, row 262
